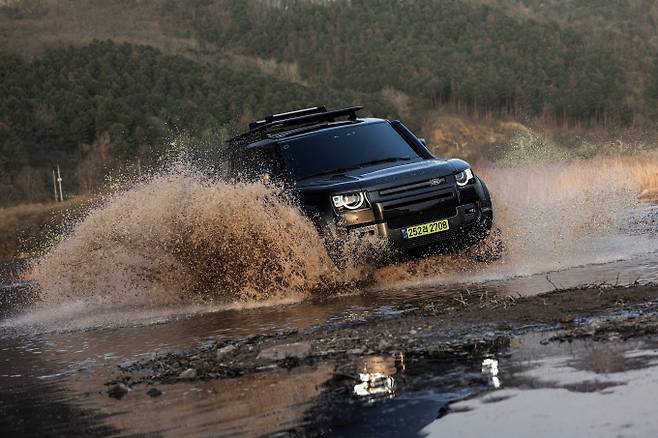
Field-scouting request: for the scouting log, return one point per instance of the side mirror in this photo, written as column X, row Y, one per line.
column 422, row 140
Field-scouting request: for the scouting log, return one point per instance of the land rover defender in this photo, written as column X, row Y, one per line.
column 366, row 177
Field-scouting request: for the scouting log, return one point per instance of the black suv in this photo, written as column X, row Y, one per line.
column 365, row 176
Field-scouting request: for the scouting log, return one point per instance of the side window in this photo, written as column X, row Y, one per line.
column 253, row 163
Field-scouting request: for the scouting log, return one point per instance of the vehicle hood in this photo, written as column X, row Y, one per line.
column 382, row 176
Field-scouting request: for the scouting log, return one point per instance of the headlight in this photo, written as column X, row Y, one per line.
column 350, row 201
column 464, row 177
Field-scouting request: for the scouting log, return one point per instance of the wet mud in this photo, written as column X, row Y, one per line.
column 403, row 370
column 403, row 363
column 452, row 324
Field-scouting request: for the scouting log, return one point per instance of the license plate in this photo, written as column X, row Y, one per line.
column 425, row 229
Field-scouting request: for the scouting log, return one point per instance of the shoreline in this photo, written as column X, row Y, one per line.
column 450, row 325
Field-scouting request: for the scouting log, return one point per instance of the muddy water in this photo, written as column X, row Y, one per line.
column 182, row 238
column 128, row 283
column 53, row 381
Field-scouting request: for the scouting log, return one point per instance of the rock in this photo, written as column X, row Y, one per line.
column 154, row 392
column 412, row 332
column 297, row 350
column 118, row 391
column 225, row 351
column 384, row 344
column 189, row 374
column 355, row 351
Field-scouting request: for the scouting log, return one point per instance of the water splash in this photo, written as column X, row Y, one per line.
column 551, row 215
column 180, row 242
column 181, row 237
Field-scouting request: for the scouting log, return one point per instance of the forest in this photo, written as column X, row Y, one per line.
column 440, row 52
column 98, row 104
column 90, row 108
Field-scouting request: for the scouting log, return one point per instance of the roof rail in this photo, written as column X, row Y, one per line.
column 302, row 117
column 287, row 115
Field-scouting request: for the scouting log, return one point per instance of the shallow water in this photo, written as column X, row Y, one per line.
column 56, row 357
column 53, row 381
column 570, row 390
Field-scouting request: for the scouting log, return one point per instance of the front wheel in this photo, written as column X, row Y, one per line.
column 487, row 242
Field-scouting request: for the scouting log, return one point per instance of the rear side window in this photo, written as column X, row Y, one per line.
column 343, row 148
column 253, row 162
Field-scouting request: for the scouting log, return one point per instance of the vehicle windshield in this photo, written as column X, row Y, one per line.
column 345, row 148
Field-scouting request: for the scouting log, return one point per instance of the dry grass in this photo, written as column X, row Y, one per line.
column 25, row 228
column 646, row 176
column 472, row 138
column 643, row 169
column 50, row 23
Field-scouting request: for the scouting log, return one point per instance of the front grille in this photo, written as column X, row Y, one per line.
column 396, row 219
column 434, row 182
column 445, row 197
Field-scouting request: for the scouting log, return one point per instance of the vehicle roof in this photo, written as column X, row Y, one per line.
column 269, row 139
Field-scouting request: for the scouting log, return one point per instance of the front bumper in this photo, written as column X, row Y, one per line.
column 468, row 219
column 467, row 210
column 468, row 216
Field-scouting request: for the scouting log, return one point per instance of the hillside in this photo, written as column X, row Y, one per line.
column 91, row 84
column 93, row 107
column 31, row 26
column 563, row 60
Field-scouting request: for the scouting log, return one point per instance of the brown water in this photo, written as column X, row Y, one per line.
column 175, row 261
column 180, row 242
column 53, row 382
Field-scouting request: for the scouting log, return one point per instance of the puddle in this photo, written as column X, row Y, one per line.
column 582, row 389
column 572, row 389
column 53, row 381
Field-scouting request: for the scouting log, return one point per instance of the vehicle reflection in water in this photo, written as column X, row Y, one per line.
column 581, row 388
column 490, row 367
column 376, row 376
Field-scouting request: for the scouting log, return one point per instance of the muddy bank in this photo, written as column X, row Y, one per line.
column 452, row 325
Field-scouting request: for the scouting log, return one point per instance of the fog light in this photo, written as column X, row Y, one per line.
column 368, row 230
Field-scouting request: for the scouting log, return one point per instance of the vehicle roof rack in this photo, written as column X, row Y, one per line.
column 287, row 115
column 302, row 117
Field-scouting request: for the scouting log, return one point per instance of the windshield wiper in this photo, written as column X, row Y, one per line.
column 329, row 172
column 384, row 160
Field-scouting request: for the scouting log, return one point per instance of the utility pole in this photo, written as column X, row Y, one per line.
column 55, row 185
column 59, row 180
